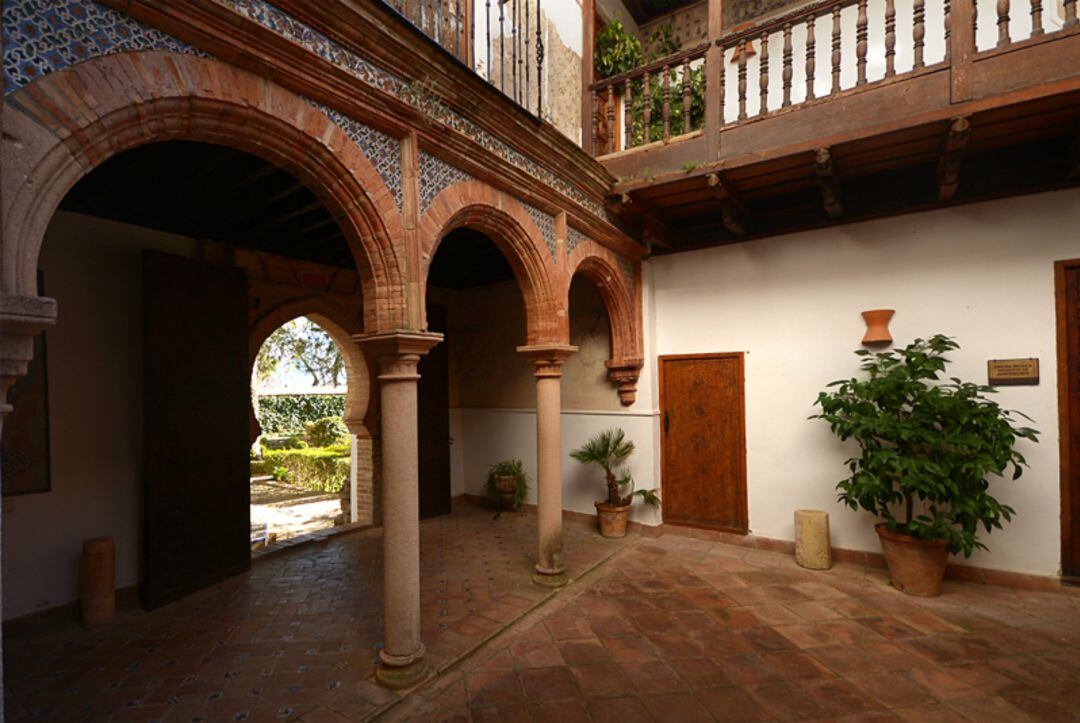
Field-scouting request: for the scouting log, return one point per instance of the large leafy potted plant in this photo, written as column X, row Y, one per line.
column 507, row 484
column 609, row 450
column 928, row 449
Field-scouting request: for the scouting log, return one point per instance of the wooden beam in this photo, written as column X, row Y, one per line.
column 655, row 230
column 736, row 218
column 828, row 182
column 952, row 155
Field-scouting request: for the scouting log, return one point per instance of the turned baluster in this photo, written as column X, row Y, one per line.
column 836, row 49
column 811, row 60
column 667, row 103
column 763, row 79
column 1070, row 13
column 595, row 123
column 1003, row 23
column 611, row 118
column 628, row 113
column 1036, row 18
column 741, row 50
column 948, row 28
column 860, row 44
column 647, row 97
column 919, row 32
column 686, row 96
column 723, row 83
column 890, row 38
column 788, row 70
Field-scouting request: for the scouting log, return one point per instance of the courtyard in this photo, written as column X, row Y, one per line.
column 667, row 629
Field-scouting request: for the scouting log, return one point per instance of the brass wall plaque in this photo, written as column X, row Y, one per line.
column 1013, row 372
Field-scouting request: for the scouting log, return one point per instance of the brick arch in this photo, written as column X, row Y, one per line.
column 63, row 125
column 502, row 218
column 341, row 326
column 622, row 301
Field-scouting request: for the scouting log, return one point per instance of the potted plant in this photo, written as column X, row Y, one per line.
column 507, row 484
column 608, row 450
column 927, row 451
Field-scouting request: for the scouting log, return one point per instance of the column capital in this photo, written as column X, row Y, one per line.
column 21, row 319
column 548, row 358
column 397, row 352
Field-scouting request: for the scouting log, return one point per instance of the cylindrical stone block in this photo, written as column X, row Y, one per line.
column 97, row 581
column 812, row 549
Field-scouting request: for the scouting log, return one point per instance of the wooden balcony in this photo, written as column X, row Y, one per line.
column 840, row 111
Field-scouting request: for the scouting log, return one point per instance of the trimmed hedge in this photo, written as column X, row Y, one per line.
column 324, row 469
column 327, row 432
column 288, row 413
column 293, row 441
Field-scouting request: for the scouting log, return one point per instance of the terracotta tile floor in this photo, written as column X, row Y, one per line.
column 675, row 629
column 295, row 638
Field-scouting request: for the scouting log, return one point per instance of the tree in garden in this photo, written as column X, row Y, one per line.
column 305, row 346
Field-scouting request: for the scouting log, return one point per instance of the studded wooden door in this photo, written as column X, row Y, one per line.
column 1068, row 297
column 196, row 382
column 704, row 441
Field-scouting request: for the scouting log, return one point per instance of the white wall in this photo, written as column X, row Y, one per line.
column 92, row 268
column 982, row 273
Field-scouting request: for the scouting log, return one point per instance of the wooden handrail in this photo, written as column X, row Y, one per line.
column 776, row 24
column 669, row 61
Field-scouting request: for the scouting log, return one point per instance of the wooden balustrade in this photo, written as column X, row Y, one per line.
column 646, row 119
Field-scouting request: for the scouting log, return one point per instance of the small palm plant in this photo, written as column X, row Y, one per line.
column 608, row 450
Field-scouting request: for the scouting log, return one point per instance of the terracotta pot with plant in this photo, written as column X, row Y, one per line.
column 507, row 484
column 929, row 452
column 609, row 450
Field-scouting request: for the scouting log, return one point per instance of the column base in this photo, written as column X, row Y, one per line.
column 401, row 678
column 549, row 579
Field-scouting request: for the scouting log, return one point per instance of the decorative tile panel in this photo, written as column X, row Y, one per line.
column 574, row 238
column 414, row 94
column 384, row 151
column 43, row 36
column 628, row 271
column 546, row 223
column 435, row 176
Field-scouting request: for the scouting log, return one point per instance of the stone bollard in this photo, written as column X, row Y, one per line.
column 97, row 581
column 812, row 549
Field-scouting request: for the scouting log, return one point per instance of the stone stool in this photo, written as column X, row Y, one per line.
column 97, row 581
column 812, row 548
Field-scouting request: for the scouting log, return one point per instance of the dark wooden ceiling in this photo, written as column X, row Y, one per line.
column 1011, row 150
column 207, row 191
column 465, row 259
column 645, row 10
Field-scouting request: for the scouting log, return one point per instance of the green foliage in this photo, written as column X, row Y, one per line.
column 617, row 51
column 288, row 413
column 324, row 469
column 292, row 441
column 924, row 442
column 304, row 345
column 327, row 432
column 608, row 450
column 508, row 468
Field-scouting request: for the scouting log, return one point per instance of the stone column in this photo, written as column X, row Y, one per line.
column 550, row 571
column 397, row 355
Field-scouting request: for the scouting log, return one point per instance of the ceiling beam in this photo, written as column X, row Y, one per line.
column 655, row 230
column 736, row 217
column 829, row 182
column 952, row 156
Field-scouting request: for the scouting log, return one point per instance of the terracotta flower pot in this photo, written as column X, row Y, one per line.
column 916, row 567
column 506, row 484
column 877, row 327
column 612, row 519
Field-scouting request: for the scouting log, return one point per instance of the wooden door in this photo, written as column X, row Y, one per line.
column 1068, row 298
column 196, row 514
column 434, row 422
column 703, row 445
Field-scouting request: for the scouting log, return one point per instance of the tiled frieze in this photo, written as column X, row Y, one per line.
column 44, row 36
column 435, row 176
column 574, row 238
column 384, row 151
column 546, row 223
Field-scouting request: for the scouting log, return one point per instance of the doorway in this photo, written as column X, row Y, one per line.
column 703, row 441
column 1068, row 319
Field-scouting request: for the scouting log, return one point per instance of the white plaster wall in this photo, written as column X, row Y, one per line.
column 92, row 268
column 491, row 435
column 982, row 273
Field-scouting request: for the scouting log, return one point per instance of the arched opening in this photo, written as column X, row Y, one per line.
column 309, row 470
column 138, row 355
